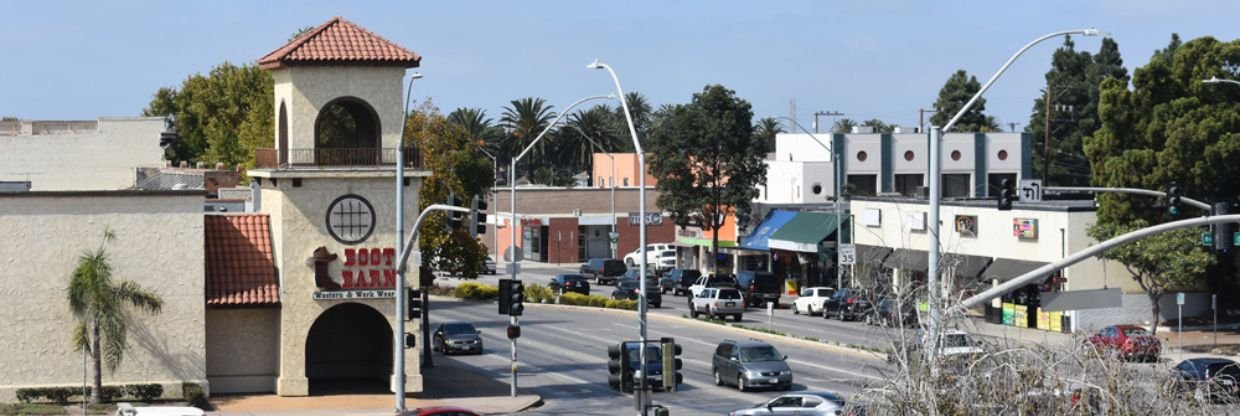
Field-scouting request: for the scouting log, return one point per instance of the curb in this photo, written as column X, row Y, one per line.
column 804, row 342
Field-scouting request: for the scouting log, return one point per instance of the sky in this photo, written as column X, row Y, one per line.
column 68, row 60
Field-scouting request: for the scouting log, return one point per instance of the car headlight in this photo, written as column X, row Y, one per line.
column 785, row 373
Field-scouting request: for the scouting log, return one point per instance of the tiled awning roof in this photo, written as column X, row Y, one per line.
column 339, row 42
column 240, row 266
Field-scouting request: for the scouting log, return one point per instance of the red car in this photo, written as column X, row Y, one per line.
column 1129, row 341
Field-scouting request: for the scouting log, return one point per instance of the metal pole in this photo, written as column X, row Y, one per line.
column 398, row 341
column 512, row 262
column 1137, row 191
column 614, row 254
column 839, row 198
column 932, row 276
column 1214, row 307
column 1180, row 323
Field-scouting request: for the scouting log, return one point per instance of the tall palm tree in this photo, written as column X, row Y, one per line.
column 766, row 129
column 473, row 120
column 599, row 123
column 524, row 118
column 843, row 125
column 878, row 125
column 99, row 304
column 640, row 110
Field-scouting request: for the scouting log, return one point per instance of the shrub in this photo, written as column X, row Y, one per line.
column 476, row 291
column 547, row 294
column 144, row 392
column 534, row 293
column 598, row 301
column 195, row 396
column 107, row 394
column 613, row 304
column 573, row 298
column 59, row 395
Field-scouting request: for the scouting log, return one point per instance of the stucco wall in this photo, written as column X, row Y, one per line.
column 306, row 89
column 64, row 160
column 298, row 224
column 793, row 182
column 243, row 349
column 159, row 246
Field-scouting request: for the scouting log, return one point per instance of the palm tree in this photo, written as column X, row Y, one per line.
column 843, row 125
column 480, row 129
column 98, row 304
column 599, row 123
column 992, row 126
column 878, row 125
column 766, row 129
column 640, row 110
column 524, row 119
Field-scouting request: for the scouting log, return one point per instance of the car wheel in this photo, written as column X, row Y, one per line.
column 711, row 313
column 718, row 381
column 795, row 311
column 839, row 314
column 738, row 317
column 693, row 313
column 740, row 382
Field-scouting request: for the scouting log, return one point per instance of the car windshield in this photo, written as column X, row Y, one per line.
column 1227, row 369
column 628, row 285
column 459, row 329
column 668, row 253
column 729, row 294
column 763, row 353
column 1135, row 332
column 652, row 355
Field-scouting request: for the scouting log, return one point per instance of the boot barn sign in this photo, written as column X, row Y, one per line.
column 365, row 273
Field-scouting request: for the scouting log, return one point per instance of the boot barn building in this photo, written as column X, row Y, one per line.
column 285, row 298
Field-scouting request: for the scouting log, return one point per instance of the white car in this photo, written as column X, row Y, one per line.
column 811, row 300
column 711, row 281
column 125, row 409
column 666, row 260
column 652, row 254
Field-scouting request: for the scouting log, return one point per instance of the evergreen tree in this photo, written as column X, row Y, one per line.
column 957, row 91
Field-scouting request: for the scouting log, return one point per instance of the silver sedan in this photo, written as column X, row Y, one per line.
column 806, row 403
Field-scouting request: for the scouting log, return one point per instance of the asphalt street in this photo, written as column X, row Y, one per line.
column 563, row 357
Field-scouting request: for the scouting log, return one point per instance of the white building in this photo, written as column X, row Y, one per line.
column 101, row 154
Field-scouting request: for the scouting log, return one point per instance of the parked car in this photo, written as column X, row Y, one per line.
column 718, row 302
column 576, row 283
column 603, row 270
column 453, row 337
column 665, row 260
column 126, row 409
column 663, row 283
column 654, row 367
column 954, row 346
column 811, row 300
column 804, row 403
column 846, row 304
column 885, row 313
column 1206, row 378
column 750, row 364
column 682, row 279
column 1127, row 341
column 629, row 288
column 489, row 265
column 760, row 287
column 714, row 280
column 445, row 411
column 652, row 254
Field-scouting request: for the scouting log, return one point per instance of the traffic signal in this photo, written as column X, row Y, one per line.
column 454, row 217
column 514, row 331
column 1222, row 232
column 1174, row 205
column 620, row 376
column 505, row 296
column 671, row 364
column 478, row 221
column 1007, row 194
column 517, row 295
column 413, row 303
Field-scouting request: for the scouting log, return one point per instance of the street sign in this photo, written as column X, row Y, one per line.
column 652, row 218
column 848, row 254
column 770, row 309
column 1179, row 298
column 1030, row 190
column 1207, row 239
column 615, row 236
column 508, row 253
column 416, row 258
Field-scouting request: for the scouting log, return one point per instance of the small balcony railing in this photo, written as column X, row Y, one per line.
column 333, row 157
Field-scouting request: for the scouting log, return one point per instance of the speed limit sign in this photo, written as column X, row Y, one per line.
column 848, row 254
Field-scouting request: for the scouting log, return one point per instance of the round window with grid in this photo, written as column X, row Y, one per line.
column 350, row 219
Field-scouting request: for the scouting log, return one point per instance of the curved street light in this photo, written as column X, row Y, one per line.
column 512, row 192
column 936, row 136
column 1217, row 80
column 835, row 160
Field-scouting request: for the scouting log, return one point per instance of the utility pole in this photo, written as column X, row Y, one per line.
column 921, row 119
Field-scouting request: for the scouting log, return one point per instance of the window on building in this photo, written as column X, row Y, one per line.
column 626, row 181
column 863, row 184
column 956, row 185
column 906, row 184
column 994, row 182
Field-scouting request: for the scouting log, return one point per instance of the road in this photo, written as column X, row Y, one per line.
column 563, row 357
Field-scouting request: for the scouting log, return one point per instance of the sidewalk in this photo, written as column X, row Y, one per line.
column 447, row 384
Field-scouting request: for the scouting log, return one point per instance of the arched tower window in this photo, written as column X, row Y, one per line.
column 346, row 132
column 283, row 131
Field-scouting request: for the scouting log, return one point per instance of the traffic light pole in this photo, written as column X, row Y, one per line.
column 1134, row 191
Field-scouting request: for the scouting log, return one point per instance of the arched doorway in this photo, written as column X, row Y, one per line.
column 346, row 132
column 283, row 128
column 349, row 350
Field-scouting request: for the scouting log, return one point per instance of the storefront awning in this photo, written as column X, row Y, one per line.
column 803, row 232
column 774, row 220
column 964, row 265
column 1007, row 269
column 702, row 242
column 872, row 254
column 906, row 259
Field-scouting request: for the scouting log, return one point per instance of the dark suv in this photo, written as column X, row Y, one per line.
column 603, row 270
column 569, row 283
column 629, row 288
column 682, row 279
column 760, row 287
column 749, row 364
column 654, row 367
column 846, row 304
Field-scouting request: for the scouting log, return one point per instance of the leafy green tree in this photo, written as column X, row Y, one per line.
column 957, row 91
column 1074, row 80
column 843, row 125
column 766, row 129
column 220, row 117
column 1169, row 127
column 99, row 305
column 451, row 156
column 524, row 119
column 708, row 160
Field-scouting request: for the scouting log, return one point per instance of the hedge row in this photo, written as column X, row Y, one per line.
column 573, row 298
column 535, row 293
column 475, row 291
column 61, row 395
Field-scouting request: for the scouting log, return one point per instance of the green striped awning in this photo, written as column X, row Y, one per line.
column 804, row 232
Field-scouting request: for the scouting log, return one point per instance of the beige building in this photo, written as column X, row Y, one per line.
column 98, row 154
column 159, row 245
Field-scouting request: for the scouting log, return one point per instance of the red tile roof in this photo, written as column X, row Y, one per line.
column 340, row 42
column 240, row 268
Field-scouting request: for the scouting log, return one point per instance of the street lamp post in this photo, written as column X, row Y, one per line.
column 398, row 341
column 494, row 193
column 822, row 113
column 639, row 396
column 613, row 187
column 835, row 161
column 1217, row 80
column 512, row 193
column 936, row 136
